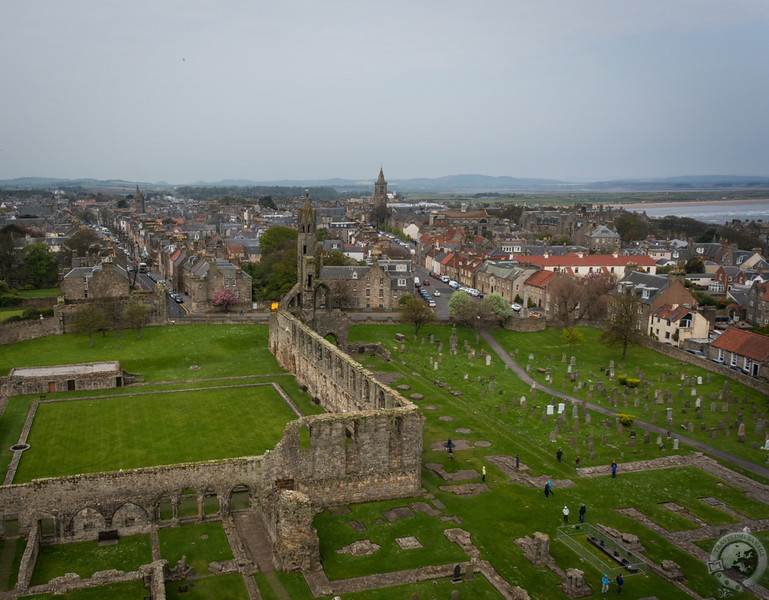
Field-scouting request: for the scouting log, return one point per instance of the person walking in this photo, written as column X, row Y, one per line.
column 548, row 490
column 620, row 583
column 559, row 455
column 582, row 511
column 578, row 460
column 483, row 474
column 565, row 512
column 614, row 469
column 605, row 581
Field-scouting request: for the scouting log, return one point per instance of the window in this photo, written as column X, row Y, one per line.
column 368, row 292
column 381, row 281
column 401, row 282
column 734, row 359
column 721, row 354
column 667, row 335
column 355, row 275
column 381, row 293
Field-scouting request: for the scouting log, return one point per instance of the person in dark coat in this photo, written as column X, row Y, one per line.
column 548, row 490
column 559, row 455
column 614, row 469
column 582, row 511
column 620, row 583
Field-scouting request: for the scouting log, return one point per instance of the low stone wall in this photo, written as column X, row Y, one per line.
column 688, row 357
column 524, row 325
column 28, row 559
column 29, row 329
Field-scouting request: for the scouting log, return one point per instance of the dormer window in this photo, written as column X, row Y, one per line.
column 645, row 294
column 700, row 250
column 355, row 275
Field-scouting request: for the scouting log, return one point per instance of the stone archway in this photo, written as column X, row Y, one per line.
column 129, row 515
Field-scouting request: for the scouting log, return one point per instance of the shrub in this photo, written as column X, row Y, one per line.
column 622, row 379
column 625, row 420
column 633, row 383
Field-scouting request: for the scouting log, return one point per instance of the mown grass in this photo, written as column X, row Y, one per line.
column 131, row 590
column 87, row 436
column 222, row 587
column 201, row 543
column 163, row 353
column 86, row 558
column 335, row 532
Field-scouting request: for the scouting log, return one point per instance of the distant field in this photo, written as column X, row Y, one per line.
column 87, row 436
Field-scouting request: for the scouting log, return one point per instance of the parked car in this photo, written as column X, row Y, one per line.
column 426, row 282
column 436, row 292
column 699, row 353
column 516, row 307
column 535, row 314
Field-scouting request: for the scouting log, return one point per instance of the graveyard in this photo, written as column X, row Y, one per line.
column 669, row 504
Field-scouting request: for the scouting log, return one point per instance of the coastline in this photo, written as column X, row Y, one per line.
column 641, row 205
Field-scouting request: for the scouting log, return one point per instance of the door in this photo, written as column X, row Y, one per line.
column 51, row 387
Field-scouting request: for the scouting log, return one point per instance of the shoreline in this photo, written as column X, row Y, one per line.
column 691, row 203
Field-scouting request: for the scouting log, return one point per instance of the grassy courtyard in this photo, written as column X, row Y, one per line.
column 126, row 432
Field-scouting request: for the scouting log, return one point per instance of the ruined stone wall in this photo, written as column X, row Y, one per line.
column 18, row 385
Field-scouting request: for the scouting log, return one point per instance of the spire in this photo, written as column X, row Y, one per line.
column 307, row 201
column 381, row 180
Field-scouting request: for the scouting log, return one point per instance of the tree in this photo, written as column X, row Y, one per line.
column 496, row 307
column 379, row 215
column 136, row 315
column 623, row 316
column 694, row 265
column 340, row 294
column 336, row 258
column 40, row 266
column 267, row 202
column 571, row 335
column 576, row 298
column 89, row 319
column 82, row 241
column 225, row 299
column 416, row 312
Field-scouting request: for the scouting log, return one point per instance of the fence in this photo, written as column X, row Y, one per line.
column 606, row 555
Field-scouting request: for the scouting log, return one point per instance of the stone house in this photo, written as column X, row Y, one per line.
column 675, row 324
column 602, row 239
column 728, row 275
column 62, row 378
column 536, row 289
column 106, row 280
column 205, row 277
column 581, row 264
column 379, row 285
column 742, row 350
column 654, row 291
column 757, row 308
column 504, row 278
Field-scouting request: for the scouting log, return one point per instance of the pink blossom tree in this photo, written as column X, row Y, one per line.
column 225, row 299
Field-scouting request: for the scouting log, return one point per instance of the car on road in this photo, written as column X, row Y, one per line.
column 431, row 303
column 535, row 314
column 444, row 278
column 177, row 297
column 516, row 307
column 426, row 282
column 436, row 292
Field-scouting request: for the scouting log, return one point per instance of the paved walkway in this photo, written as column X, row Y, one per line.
column 712, row 450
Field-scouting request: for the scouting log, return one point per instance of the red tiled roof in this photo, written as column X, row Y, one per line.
column 744, row 343
column 541, row 278
column 667, row 312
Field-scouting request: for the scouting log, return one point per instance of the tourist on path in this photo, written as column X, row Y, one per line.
column 605, row 581
column 620, row 583
column 614, row 469
column 582, row 511
column 548, row 489
column 565, row 514
column 578, row 460
column 559, row 455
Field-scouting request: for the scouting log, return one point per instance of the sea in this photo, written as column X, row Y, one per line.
column 709, row 212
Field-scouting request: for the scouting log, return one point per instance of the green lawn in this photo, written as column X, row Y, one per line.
column 86, row 558
column 223, row 587
column 132, row 590
column 7, row 313
column 86, row 436
column 41, row 293
column 201, row 543
column 336, row 532
column 163, row 353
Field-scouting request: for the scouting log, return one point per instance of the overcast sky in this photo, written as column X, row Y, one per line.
column 188, row 90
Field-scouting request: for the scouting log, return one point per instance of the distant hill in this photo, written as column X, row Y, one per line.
column 446, row 184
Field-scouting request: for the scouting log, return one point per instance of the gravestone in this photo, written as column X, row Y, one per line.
column 741, row 433
column 675, row 443
column 561, row 407
column 588, row 419
column 647, row 438
column 457, row 578
column 550, row 409
column 488, row 360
